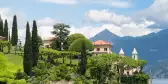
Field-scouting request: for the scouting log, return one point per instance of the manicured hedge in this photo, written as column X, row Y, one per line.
column 57, row 54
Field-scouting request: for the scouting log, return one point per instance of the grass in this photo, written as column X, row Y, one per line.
column 15, row 59
column 7, row 64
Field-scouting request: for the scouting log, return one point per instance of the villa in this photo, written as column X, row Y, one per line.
column 2, row 38
column 135, row 57
column 48, row 41
column 102, row 47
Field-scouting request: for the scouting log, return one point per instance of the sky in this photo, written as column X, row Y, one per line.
column 89, row 17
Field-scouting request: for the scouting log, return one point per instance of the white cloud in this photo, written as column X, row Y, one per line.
column 138, row 29
column 45, row 26
column 157, row 11
column 69, row 2
column 106, row 16
column 118, row 25
column 130, row 29
column 45, row 31
column 125, row 26
column 47, row 21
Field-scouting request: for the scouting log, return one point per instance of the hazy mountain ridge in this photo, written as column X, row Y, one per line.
column 151, row 47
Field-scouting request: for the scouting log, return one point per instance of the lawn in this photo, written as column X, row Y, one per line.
column 9, row 62
column 15, row 59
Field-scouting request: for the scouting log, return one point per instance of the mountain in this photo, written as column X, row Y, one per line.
column 103, row 34
column 151, row 47
column 158, row 70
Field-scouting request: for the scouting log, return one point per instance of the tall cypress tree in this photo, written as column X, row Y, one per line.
column 35, row 46
column 14, row 39
column 27, row 63
column 1, row 26
column 6, row 30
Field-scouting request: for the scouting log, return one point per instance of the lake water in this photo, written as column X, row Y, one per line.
column 160, row 81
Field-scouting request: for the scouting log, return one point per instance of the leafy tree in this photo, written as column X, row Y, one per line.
column 6, row 30
column 61, row 32
column 1, row 27
column 141, row 78
column 56, row 45
column 82, row 45
column 73, row 37
column 35, row 44
column 14, row 39
column 103, row 68
column 27, row 61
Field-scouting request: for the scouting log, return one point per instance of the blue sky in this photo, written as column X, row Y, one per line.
column 89, row 17
column 73, row 14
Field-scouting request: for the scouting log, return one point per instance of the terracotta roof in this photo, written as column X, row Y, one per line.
column 101, row 42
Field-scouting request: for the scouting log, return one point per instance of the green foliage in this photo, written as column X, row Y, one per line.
column 27, row 60
column 61, row 32
column 55, row 53
column 44, row 73
column 83, row 80
column 73, row 37
column 20, row 75
column 22, row 81
column 61, row 72
column 107, row 67
column 56, row 45
column 141, row 78
column 6, row 30
column 102, row 67
column 14, row 39
column 77, row 45
column 40, row 41
column 41, row 74
column 7, row 70
column 1, row 27
column 9, row 38
column 35, row 44
column 82, row 45
column 5, row 44
column 15, row 59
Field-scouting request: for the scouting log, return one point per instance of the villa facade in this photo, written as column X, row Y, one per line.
column 2, row 38
column 102, row 47
column 48, row 41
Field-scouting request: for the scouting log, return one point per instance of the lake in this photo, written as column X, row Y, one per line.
column 160, row 81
